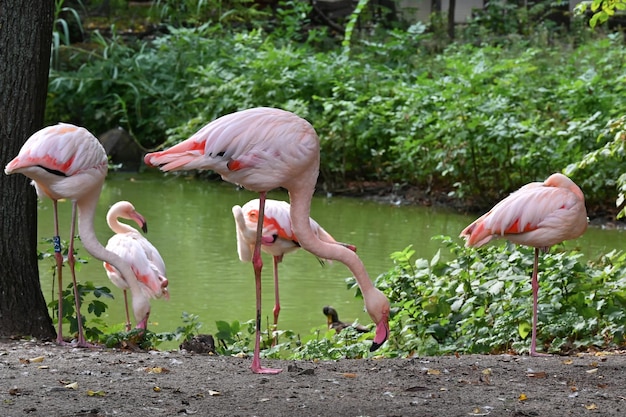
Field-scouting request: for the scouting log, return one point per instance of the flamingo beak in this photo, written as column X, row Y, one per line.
column 382, row 333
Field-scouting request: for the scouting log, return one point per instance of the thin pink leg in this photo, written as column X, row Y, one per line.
column 257, row 263
column 276, row 297
column 58, row 256
column 71, row 261
column 535, row 288
column 128, row 325
column 276, row 310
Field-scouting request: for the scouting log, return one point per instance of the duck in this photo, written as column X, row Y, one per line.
column 334, row 323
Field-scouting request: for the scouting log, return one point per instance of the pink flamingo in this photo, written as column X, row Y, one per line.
column 277, row 238
column 67, row 162
column 142, row 256
column 540, row 214
column 262, row 149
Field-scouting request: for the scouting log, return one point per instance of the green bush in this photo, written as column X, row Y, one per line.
column 474, row 121
column 481, row 302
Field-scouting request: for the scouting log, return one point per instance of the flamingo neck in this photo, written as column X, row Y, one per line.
column 117, row 226
column 86, row 213
column 300, row 201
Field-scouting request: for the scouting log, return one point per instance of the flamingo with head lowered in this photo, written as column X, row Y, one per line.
column 262, row 149
column 277, row 238
column 541, row 215
column 143, row 258
column 68, row 162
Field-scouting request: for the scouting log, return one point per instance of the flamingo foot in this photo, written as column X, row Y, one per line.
column 536, row 354
column 258, row 369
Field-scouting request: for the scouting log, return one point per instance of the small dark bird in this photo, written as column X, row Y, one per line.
column 334, row 323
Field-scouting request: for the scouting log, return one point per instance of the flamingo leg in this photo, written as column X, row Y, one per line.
column 276, row 310
column 257, row 263
column 58, row 256
column 535, row 288
column 72, row 261
column 276, row 297
column 128, row 325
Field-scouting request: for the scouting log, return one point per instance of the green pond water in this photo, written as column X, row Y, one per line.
column 191, row 223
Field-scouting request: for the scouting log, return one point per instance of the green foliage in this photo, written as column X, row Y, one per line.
column 603, row 167
column 389, row 111
column 61, row 33
column 602, row 9
column 480, row 301
column 90, row 294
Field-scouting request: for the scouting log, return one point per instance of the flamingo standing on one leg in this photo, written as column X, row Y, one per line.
column 67, row 162
column 262, row 149
column 540, row 214
column 277, row 237
column 143, row 258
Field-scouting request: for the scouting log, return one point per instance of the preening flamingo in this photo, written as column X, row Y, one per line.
column 142, row 256
column 540, row 214
column 277, row 237
column 67, row 162
column 262, row 149
column 332, row 318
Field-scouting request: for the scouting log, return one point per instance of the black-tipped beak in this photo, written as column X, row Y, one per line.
column 375, row 346
column 144, row 227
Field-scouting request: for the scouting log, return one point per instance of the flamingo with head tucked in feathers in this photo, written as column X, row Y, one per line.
column 541, row 215
column 277, row 237
column 68, row 162
column 143, row 258
column 262, row 149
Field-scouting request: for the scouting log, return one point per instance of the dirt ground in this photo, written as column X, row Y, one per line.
column 42, row 379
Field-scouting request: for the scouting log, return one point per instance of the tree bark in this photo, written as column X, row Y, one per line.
column 451, row 12
column 25, row 39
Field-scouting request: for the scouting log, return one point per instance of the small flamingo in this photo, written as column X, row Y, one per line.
column 143, row 258
column 262, row 149
column 540, row 215
column 277, row 238
column 68, row 162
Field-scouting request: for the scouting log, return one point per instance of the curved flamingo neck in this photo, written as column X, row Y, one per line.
column 86, row 213
column 300, row 200
column 116, row 225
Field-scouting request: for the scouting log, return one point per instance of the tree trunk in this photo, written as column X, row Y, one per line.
column 451, row 11
column 25, row 39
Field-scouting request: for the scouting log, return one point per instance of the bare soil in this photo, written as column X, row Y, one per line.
column 42, row 379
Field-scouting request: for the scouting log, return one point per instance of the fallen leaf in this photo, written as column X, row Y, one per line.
column 536, row 374
column 349, row 375
column 43, row 367
column 157, row 370
column 433, row 372
column 568, row 362
column 26, row 361
column 73, row 385
column 156, row 389
column 522, row 397
column 96, row 393
column 37, row 359
column 591, row 406
column 15, row 391
column 487, row 371
column 214, row 393
column 592, row 371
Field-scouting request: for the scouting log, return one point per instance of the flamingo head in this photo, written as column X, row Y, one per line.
column 126, row 210
column 377, row 307
column 141, row 309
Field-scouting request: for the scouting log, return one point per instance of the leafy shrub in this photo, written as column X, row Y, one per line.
column 480, row 301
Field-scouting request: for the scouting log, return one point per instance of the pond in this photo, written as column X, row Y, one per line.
column 191, row 223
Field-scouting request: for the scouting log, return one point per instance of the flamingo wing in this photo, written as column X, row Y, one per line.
column 536, row 215
column 246, row 148
column 145, row 261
